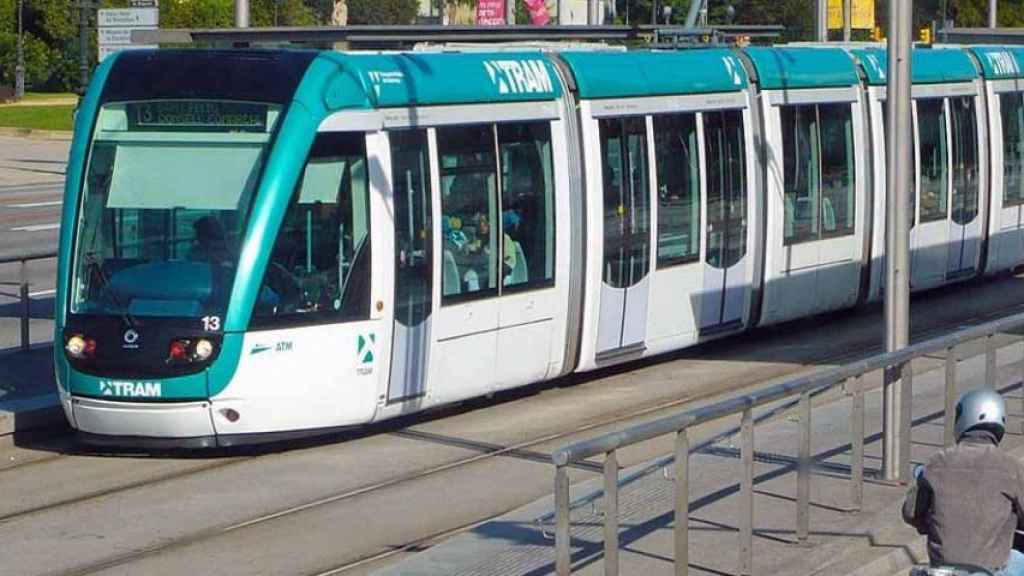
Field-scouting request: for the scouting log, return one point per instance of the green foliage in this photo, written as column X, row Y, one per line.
column 281, row 13
column 197, row 13
column 382, row 11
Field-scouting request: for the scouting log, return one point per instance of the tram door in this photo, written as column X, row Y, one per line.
column 930, row 234
column 964, row 225
column 726, row 233
column 626, row 261
column 410, row 177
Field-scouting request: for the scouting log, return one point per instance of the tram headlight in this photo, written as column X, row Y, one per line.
column 79, row 347
column 203, row 350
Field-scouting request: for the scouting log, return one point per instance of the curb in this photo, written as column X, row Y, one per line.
column 36, row 133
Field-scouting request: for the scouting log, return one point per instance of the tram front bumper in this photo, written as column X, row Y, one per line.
column 173, row 423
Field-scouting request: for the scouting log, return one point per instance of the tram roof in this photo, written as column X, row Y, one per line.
column 928, row 66
column 423, row 79
column 1000, row 62
column 803, row 67
column 655, row 73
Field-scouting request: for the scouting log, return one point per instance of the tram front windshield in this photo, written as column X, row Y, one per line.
column 167, row 190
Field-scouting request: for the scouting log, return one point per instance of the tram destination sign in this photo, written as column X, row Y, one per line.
column 197, row 115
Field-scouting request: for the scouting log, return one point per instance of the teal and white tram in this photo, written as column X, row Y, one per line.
column 263, row 244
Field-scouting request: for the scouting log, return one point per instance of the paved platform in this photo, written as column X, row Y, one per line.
column 873, row 541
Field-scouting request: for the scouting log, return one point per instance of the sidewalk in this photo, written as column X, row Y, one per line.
column 28, row 391
column 874, row 541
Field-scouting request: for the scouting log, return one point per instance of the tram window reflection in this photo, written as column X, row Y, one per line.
column 527, row 205
column 678, row 169
column 965, row 159
column 1012, row 109
column 469, row 212
column 934, row 167
column 319, row 269
column 626, row 200
column 818, row 165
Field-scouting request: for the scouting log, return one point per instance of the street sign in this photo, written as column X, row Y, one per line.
column 108, row 50
column 119, row 36
column 129, row 17
column 144, row 3
column 863, row 14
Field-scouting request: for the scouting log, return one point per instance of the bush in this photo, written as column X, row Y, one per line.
column 38, row 59
column 382, row 11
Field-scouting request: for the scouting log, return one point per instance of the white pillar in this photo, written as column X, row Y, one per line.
column 241, row 13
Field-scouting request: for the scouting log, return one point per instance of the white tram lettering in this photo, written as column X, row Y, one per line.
column 134, row 389
column 515, row 77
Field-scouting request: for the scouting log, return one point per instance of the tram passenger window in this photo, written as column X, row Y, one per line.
column 319, row 270
column 931, row 125
column 818, row 165
column 678, row 168
column 626, row 200
column 965, row 159
column 469, row 212
column 527, row 205
column 727, row 188
column 1012, row 106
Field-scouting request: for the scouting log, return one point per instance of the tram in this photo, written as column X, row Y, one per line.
column 263, row 244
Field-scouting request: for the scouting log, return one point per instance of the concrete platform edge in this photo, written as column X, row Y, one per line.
column 36, row 133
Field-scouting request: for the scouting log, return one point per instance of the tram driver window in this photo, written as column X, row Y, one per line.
column 818, row 166
column 319, row 270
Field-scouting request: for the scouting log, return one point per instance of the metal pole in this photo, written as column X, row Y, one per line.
column 654, row 12
column 746, row 521
column 590, row 12
column 993, row 13
column 898, row 183
column 990, row 361
column 691, row 16
column 682, row 529
column 611, row 515
column 510, row 11
column 951, row 397
column 241, row 13
column 822, row 20
column 803, row 473
column 19, row 69
column 857, row 445
column 563, row 560
column 847, row 20
column 83, row 43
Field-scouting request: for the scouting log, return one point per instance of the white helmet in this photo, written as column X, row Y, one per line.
column 980, row 408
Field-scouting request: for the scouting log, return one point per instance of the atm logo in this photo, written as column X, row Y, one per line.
column 519, row 76
column 131, row 389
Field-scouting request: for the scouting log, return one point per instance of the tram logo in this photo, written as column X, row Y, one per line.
column 133, row 389
column 519, row 76
column 365, row 346
column 131, row 339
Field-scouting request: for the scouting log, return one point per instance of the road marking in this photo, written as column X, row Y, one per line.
column 49, row 292
column 37, row 227
column 36, row 204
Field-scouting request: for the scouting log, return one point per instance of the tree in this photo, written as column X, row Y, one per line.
column 382, row 11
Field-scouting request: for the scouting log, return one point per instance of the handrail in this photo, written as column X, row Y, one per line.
column 23, row 295
column 805, row 386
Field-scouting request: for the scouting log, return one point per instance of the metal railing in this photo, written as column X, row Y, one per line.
column 849, row 375
column 23, row 296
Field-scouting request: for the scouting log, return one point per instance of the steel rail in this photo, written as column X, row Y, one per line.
column 849, row 376
column 23, row 283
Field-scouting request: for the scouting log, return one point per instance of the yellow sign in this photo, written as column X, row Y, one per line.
column 863, row 14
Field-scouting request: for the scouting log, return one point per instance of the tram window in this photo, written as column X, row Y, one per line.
column 410, row 181
column 965, row 159
column 931, row 126
column 818, row 164
column 727, row 188
column 626, row 200
column 319, row 270
column 1012, row 106
column 678, row 169
column 469, row 212
column 527, row 205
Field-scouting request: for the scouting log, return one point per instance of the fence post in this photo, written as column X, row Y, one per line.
column 857, row 444
column 803, row 471
column 682, row 531
column 746, row 522
column 25, row 304
column 951, row 397
column 990, row 361
column 562, row 542
column 611, row 514
column 907, row 419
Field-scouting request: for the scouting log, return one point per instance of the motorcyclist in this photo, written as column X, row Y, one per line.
column 968, row 498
